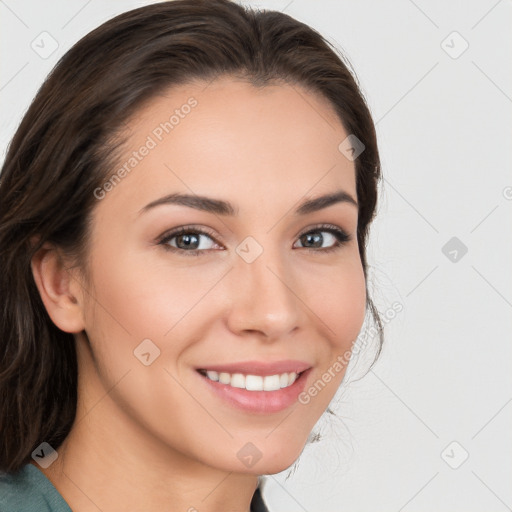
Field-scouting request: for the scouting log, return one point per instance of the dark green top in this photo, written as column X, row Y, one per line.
column 29, row 490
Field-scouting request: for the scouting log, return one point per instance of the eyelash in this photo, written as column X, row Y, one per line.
column 341, row 238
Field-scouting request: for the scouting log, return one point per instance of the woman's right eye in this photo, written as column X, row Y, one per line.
column 187, row 241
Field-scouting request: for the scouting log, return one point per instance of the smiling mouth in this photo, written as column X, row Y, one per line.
column 252, row 382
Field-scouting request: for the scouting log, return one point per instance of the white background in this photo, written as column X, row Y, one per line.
column 444, row 132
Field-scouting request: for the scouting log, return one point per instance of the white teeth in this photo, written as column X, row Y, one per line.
column 254, row 382
column 224, row 378
column 237, row 380
column 271, row 383
column 212, row 375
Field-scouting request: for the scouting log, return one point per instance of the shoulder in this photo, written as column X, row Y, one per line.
column 28, row 490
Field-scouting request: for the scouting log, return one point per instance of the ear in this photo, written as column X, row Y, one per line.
column 60, row 290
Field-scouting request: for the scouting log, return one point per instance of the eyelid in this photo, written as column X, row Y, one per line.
column 322, row 227
column 171, row 233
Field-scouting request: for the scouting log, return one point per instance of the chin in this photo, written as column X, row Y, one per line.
column 272, row 468
column 276, row 459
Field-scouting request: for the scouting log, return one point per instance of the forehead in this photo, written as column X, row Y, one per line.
column 229, row 138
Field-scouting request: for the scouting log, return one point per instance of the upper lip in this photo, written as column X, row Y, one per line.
column 261, row 368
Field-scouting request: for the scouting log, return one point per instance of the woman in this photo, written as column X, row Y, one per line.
column 183, row 224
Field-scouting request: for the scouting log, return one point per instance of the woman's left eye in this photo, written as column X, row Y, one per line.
column 334, row 234
column 187, row 240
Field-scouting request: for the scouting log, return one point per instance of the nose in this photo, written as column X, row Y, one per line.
column 264, row 298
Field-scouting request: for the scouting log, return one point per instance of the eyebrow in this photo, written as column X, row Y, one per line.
column 220, row 207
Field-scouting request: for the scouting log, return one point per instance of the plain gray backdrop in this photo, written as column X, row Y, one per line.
column 428, row 429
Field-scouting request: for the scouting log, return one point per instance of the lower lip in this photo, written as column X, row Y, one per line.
column 259, row 401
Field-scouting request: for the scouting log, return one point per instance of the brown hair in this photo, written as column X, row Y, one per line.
column 62, row 151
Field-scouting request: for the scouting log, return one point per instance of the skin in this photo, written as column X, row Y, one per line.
column 153, row 437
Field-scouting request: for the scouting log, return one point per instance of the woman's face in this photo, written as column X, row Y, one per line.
column 245, row 287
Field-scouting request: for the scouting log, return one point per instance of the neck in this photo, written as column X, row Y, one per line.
column 110, row 462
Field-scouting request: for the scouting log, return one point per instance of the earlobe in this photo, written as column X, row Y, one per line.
column 58, row 288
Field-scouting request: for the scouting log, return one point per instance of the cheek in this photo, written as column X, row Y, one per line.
column 138, row 298
column 341, row 304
